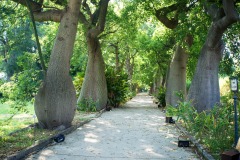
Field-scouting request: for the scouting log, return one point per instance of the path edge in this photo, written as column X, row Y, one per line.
column 44, row 143
column 199, row 147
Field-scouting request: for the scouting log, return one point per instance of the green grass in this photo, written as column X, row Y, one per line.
column 13, row 138
column 12, row 141
column 5, row 108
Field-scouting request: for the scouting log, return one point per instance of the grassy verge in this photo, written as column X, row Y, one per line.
column 16, row 135
column 5, row 108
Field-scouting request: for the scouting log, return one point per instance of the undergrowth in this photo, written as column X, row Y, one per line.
column 214, row 129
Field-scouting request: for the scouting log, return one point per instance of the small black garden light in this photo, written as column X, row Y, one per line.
column 234, row 89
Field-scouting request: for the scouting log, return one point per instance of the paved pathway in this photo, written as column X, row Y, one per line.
column 135, row 132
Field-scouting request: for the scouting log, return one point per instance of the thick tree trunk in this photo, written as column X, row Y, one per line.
column 176, row 80
column 55, row 103
column 94, row 86
column 157, row 82
column 204, row 90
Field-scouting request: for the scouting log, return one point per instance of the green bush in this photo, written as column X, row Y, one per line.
column 214, row 129
column 77, row 82
column 87, row 105
column 118, row 87
column 7, row 90
column 161, row 96
column 21, row 89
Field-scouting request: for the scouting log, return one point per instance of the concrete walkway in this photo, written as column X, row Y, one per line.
column 136, row 131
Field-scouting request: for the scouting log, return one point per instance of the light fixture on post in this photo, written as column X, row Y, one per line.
column 234, row 89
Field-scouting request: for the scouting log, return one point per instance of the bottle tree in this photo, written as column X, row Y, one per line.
column 55, row 102
column 204, row 90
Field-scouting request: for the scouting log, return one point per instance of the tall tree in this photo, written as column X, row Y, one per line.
column 204, row 90
column 94, row 86
column 55, row 102
column 176, row 76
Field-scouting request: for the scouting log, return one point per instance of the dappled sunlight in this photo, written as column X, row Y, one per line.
column 90, row 126
column 123, row 133
column 106, row 123
column 152, row 124
column 90, row 137
column 149, row 149
column 141, row 101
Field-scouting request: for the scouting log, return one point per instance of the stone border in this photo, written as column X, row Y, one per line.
column 199, row 147
column 44, row 143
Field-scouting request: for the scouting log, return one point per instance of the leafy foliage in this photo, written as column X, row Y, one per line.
column 87, row 105
column 118, row 87
column 161, row 96
column 78, row 81
column 214, row 128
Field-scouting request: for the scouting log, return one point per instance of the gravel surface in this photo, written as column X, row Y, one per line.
column 136, row 131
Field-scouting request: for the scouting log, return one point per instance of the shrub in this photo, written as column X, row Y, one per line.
column 214, row 128
column 87, row 105
column 161, row 96
column 118, row 87
column 77, row 82
column 21, row 89
column 7, row 90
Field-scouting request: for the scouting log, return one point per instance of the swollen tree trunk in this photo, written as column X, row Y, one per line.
column 94, row 86
column 55, row 102
column 176, row 80
column 176, row 76
column 204, row 90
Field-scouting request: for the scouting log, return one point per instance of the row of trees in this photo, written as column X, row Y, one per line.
column 179, row 17
column 141, row 35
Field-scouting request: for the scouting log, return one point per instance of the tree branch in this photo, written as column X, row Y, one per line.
column 36, row 36
column 162, row 13
column 231, row 15
column 107, row 33
column 171, row 23
column 219, row 25
column 50, row 15
column 102, row 15
column 83, row 19
column 87, row 8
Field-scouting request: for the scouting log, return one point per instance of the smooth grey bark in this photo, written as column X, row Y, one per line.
column 176, row 79
column 94, row 85
column 157, row 82
column 176, row 74
column 204, row 90
column 55, row 102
